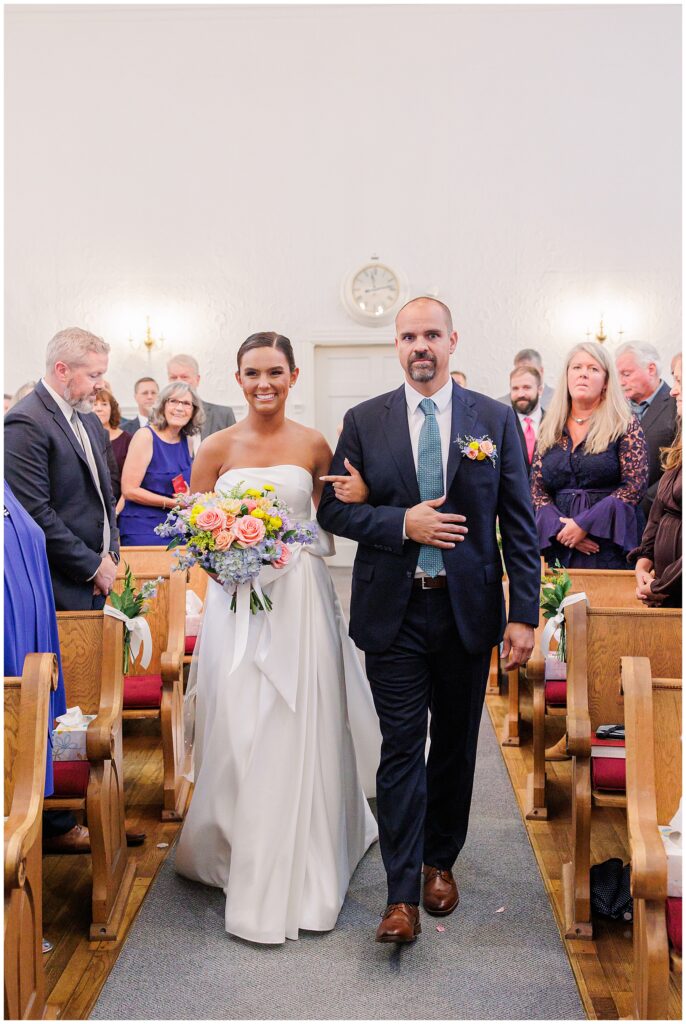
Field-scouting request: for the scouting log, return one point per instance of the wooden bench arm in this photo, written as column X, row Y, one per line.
column 100, row 737
column 578, row 715
column 24, row 822
column 171, row 662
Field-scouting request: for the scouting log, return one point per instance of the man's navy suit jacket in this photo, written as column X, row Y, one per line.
column 376, row 440
column 47, row 469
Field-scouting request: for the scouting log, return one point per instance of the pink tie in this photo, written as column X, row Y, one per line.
column 529, row 436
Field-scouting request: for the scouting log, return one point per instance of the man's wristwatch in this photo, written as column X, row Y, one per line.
column 115, row 556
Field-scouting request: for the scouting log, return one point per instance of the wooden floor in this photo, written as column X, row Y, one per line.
column 77, row 969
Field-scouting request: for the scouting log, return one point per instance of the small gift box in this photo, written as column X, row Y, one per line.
column 69, row 736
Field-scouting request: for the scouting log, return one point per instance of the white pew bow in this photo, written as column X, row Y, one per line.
column 553, row 626
column 139, row 631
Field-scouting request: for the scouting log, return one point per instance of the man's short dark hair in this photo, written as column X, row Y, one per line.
column 528, row 355
column 144, row 380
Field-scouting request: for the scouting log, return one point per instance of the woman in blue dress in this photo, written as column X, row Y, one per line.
column 590, row 467
column 30, row 621
column 158, row 464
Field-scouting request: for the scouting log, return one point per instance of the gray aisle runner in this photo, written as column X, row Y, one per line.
column 178, row 962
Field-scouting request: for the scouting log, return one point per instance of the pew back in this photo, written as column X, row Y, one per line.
column 157, row 618
column 81, row 647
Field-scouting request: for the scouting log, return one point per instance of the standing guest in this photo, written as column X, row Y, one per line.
column 638, row 368
column 145, row 391
column 526, row 388
column 20, row 393
column 658, row 565
column 530, row 357
column 158, row 464
column 217, row 417
column 106, row 408
column 459, row 377
column 56, row 465
column 590, row 467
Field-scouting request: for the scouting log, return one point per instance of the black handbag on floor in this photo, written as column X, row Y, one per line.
column 611, row 890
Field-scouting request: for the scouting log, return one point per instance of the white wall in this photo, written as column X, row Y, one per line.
column 222, row 168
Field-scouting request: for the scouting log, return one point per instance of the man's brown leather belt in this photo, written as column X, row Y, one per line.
column 429, row 582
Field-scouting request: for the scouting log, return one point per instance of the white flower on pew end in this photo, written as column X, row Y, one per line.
column 130, row 606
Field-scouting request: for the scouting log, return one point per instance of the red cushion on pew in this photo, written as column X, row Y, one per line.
column 674, row 921
column 190, row 644
column 609, row 773
column 142, row 691
column 71, row 777
column 556, row 692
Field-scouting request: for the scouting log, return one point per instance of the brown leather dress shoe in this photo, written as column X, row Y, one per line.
column 76, row 840
column 440, row 892
column 399, row 923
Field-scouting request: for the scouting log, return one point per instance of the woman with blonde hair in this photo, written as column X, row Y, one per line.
column 658, row 565
column 590, row 467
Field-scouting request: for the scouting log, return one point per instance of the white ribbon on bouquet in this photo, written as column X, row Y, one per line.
column 553, row 626
column 139, row 631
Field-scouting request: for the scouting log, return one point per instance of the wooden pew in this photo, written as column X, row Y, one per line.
column 91, row 644
column 597, row 639
column 653, row 789
column 156, row 692
column 27, row 707
column 604, row 588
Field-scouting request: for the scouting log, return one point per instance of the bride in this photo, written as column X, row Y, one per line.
column 284, row 743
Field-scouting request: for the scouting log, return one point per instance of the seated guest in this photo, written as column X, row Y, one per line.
column 526, row 388
column 217, row 417
column 459, row 377
column 106, row 408
column 530, row 357
column 590, row 467
column 658, row 565
column 145, row 391
column 638, row 369
column 158, row 464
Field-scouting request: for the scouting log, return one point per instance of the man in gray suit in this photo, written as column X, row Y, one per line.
column 530, row 357
column 217, row 417
column 638, row 369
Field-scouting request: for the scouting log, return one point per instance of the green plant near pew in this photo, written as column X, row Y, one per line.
column 133, row 603
column 555, row 586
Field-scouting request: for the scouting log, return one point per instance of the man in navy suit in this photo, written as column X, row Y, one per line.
column 56, row 464
column 427, row 598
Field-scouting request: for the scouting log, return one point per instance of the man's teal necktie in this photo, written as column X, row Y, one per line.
column 430, row 478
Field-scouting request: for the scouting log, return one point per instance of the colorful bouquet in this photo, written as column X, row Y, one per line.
column 233, row 534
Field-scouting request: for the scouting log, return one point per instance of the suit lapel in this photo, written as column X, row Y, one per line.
column 655, row 408
column 463, row 420
column 52, row 407
column 397, row 432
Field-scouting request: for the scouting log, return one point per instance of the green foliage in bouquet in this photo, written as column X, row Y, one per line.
column 555, row 586
column 133, row 603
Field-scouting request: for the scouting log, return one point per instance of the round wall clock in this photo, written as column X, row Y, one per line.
column 374, row 292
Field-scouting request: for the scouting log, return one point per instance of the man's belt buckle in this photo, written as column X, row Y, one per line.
column 427, row 582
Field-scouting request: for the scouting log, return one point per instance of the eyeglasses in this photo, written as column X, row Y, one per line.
column 178, row 404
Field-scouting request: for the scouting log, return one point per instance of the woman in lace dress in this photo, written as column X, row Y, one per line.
column 590, row 467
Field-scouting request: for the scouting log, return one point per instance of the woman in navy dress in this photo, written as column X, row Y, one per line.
column 590, row 467
column 158, row 464
column 30, row 621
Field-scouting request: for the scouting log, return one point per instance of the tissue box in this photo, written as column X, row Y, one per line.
column 193, row 624
column 672, row 844
column 69, row 742
column 554, row 668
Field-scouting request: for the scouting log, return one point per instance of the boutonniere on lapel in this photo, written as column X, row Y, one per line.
column 477, row 448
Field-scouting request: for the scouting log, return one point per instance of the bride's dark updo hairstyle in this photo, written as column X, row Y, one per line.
column 267, row 339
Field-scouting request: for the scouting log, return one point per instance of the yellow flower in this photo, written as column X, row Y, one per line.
column 195, row 512
column 480, row 457
column 474, row 444
column 258, row 513
column 267, row 487
column 275, row 522
column 252, row 493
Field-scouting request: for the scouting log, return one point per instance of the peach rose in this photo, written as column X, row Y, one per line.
column 283, row 559
column 471, row 453
column 248, row 531
column 223, row 540
column 211, row 519
column 487, row 447
column 250, row 504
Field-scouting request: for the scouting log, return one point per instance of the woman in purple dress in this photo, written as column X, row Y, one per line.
column 658, row 558
column 590, row 467
column 158, row 464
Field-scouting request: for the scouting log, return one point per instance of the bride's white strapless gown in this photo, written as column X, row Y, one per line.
column 283, row 746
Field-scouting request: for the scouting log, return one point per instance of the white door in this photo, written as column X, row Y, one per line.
column 346, row 375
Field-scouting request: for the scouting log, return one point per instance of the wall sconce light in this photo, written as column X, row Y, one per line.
column 601, row 332
column 149, row 343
